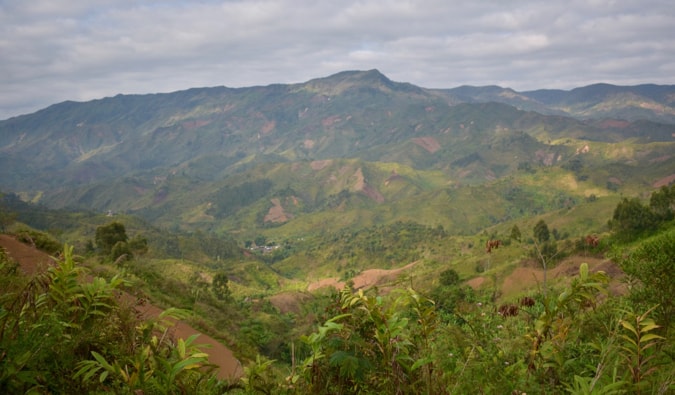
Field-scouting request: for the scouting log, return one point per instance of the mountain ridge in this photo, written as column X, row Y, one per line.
column 139, row 153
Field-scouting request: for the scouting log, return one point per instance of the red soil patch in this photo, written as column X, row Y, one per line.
column 662, row 158
column 372, row 193
column 320, row 164
column 189, row 125
column 523, row 278
column 33, row 261
column 276, row 213
column 268, row 127
column 365, row 279
column 476, row 282
column 372, row 277
column 428, row 143
column 326, row 282
column 30, row 260
column 665, row 181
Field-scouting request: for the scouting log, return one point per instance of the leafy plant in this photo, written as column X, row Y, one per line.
column 372, row 346
column 639, row 345
column 651, row 270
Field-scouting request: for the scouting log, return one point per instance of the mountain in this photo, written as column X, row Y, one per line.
column 599, row 101
column 354, row 148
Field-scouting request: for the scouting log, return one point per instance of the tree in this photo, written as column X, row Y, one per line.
column 449, row 277
column 515, row 233
column 109, row 235
column 541, row 232
column 631, row 218
column 662, row 203
column 260, row 240
column 219, row 286
column 138, row 245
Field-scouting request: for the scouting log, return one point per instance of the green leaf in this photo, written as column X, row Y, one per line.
column 180, row 347
column 188, row 364
column 583, row 271
column 421, row 362
column 629, row 326
column 650, row 336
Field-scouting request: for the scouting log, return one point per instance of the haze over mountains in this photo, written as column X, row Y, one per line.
column 351, row 145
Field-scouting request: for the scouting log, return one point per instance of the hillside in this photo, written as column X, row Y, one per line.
column 33, row 262
column 349, row 232
column 351, row 149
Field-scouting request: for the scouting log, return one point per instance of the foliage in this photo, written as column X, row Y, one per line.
column 52, row 324
column 53, row 321
column 372, row 347
column 121, row 252
column 40, row 240
column 541, row 232
column 662, row 203
column 515, row 233
column 638, row 347
column 228, row 200
column 449, row 277
column 632, row 219
column 219, row 286
column 138, row 245
column 107, row 236
column 7, row 217
column 651, row 269
column 158, row 367
column 381, row 245
column 554, row 326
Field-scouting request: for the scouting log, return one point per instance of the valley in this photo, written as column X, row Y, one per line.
column 349, row 232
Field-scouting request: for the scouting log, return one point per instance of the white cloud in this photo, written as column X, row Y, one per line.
column 53, row 50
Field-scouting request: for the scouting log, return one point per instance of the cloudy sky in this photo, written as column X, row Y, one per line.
column 56, row 50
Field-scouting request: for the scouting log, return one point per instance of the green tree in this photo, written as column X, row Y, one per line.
column 631, row 219
column 662, row 203
column 541, row 232
column 260, row 240
column 109, row 235
column 138, row 245
column 515, row 233
column 449, row 277
column 219, row 286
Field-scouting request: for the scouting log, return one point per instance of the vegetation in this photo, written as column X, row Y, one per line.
column 60, row 334
column 431, row 336
column 477, row 248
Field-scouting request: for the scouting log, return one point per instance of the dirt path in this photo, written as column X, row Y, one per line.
column 32, row 261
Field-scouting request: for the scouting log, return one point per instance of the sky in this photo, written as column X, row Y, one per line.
column 57, row 50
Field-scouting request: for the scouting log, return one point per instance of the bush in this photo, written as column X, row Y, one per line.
column 40, row 240
column 652, row 264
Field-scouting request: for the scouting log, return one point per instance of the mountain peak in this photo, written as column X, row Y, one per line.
column 345, row 80
column 353, row 77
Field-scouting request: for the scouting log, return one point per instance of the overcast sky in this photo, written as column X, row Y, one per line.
column 56, row 50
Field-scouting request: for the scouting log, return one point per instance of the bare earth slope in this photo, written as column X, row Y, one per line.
column 33, row 261
column 365, row 279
